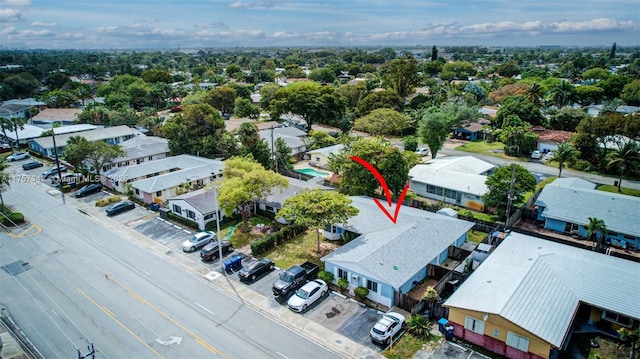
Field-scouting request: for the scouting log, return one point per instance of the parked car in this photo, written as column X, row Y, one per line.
column 68, row 178
column 293, row 278
column 198, row 240
column 31, row 165
column 548, row 155
column 54, row 171
column 307, row 295
column 210, row 251
column 422, row 151
column 88, row 189
column 256, row 268
column 18, row 156
column 119, row 207
column 387, row 327
column 536, row 155
column 4, row 147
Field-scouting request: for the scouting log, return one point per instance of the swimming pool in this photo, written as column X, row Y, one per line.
column 312, row 172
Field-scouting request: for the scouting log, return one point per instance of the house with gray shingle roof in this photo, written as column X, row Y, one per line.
column 199, row 206
column 320, row 156
column 110, row 135
column 141, row 149
column 566, row 204
column 390, row 259
column 278, row 195
column 293, row 137
column 531, row 295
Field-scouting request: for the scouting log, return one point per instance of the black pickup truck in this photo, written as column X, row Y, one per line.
column 294, row 278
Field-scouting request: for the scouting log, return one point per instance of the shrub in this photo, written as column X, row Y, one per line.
column 187, row 222
column 361, row 292
column 343, row 283
column 419, row 325
column 326, row 276
column 13, row 219
column 108, row 200
column 430, row 294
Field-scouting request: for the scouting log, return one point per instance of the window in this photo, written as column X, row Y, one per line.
column 474, row 325
column 137, row 191
column 617, row 318
column 159, row 193
column 150, row 158
column 518, row 342
column 177, row 209
column 342, row 273
column 191, row 214
column 372, row 286
column 208, row 216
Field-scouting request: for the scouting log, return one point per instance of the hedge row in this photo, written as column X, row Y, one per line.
column 187, row 222
column 269, row 241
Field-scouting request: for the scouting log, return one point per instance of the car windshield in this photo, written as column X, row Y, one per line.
column 195, row 239
column 302, row 293
column 286, row 277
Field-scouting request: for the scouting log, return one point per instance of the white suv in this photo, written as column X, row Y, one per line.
column 536, row 155
column 387, row 327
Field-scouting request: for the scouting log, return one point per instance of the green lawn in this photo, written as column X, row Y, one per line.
column 407, row 346
column 614, row 189
column 298, row 250
column 476, row 236
column 495, row 149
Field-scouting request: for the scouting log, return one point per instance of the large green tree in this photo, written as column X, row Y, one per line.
column 382, row 121
column 313, row 102
column 499, row 187
column 222, row 98
column 244, row 108
column 244, row 182
column 101, row 154
column 631, row 93
column 76, row 151
column 567, row 119
column 318, row 209
column 435, row 125
column 380, row 99
column 198, row 130
column 402, row 75
column 521, row 107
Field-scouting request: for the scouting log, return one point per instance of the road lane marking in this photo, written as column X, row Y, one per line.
column 143, row 271
column 59, row 219
column 96, row 242
column 282, row 355
column 205, row 309
column 167, row 316
column 107, row 312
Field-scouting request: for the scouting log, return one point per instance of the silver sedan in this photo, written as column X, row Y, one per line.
column 198, row 240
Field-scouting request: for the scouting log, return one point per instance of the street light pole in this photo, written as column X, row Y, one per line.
column 215, row 199
column 55, row 153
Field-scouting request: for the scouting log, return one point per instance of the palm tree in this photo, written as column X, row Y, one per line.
column 562, row 93
column 626, row 157
column 5, row 124
column 18, row 123
column 535, row 94
column 565, row 153
column 597, row 231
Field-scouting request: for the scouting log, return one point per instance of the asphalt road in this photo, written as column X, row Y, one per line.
column 69, row 279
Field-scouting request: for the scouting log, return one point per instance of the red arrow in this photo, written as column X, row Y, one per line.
column 385, row 189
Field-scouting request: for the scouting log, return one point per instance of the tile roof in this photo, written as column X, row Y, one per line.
column 538, row 285
column 387, row 251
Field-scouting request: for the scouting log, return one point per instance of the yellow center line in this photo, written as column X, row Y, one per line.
column 107, row 312
column 168, row 317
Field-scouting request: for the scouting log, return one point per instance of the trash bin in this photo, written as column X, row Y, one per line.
column 154, row 207
column 233, row 264
column 449, row 332
column 442, row 322
column 164, row 213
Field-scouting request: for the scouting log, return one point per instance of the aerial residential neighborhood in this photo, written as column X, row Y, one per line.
column 231, row 193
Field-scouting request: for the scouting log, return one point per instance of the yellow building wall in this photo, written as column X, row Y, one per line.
column 496, row 327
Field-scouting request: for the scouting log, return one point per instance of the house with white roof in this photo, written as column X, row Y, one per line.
column 530, row 296
column 273, row 202
column 390, row 259
column 320, row 156
column 141, row 149
column 293, row 137
column 456, row 180
column 566, row 204
column 110, row 135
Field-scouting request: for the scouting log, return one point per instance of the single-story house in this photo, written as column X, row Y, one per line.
column 390, row 259
column 549, row 140
column 14, row 110
column 566, row 204
column 24, row 135
column 141, row 149
column 489, row 111
column 594, row 110
column 199, row 206
column 110, row 135
column 457, row 180
column 49, row 116
column 161, row 187
column 530, row 295
column 472, row 131
column 117, row 178
column 273, row 202
column 320, row 156
column 292, row 136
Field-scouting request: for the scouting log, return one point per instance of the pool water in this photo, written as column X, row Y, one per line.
column 312, row 172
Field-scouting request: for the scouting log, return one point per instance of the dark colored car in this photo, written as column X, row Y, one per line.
column 255, row 269
column 210, row 251
column 31, row 165
column 120, row 207
column 4, row 148
column 88, row 189
column 54, row 171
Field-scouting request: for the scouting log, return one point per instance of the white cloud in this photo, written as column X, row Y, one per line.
column 43, row 24
column 255, row 4
column 8, row 30
column 10, row 15
column 16, row 3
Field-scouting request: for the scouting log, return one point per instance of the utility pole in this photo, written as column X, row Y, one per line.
column 55, row 153
column 215, row 199
column 274, row 155
column 510, row 196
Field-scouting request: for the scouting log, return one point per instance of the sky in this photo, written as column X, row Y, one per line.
column 173, row 24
